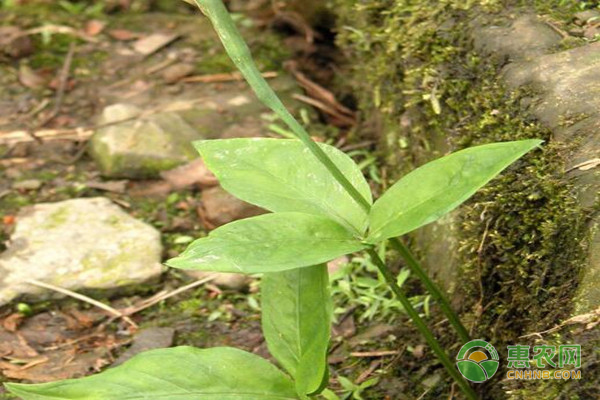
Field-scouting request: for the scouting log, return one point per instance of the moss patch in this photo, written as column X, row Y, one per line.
column 424, row 91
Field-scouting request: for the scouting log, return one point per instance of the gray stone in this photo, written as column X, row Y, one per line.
column 439, row 247
column 568, row 84
column 77, row 244
column 28, row 184
column 144, row 146
column 587, row 298
column 146, row 143
column 524, row 38
column 567, row 100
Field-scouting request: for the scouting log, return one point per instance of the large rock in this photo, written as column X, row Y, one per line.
column 77, row 244
column 142, row 146
column 526, row 37
column 139, row 142
column 567, row 100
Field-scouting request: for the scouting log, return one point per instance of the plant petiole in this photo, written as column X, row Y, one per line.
column 421, row 326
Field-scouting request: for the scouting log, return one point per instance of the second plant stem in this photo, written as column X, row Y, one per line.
column 431, row 287
column 421, row 326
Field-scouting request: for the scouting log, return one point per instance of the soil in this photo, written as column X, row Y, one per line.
column 60, row 339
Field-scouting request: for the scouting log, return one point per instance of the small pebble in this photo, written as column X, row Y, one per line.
column 28, row 184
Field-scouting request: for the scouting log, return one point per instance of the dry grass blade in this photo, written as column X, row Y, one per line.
column 86, row 299
column 165, row 295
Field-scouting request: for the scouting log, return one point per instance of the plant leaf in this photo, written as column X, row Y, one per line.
column 182, row 373
column 438, row 187
column 268, row 243
column 282, row 175
column 296, row 322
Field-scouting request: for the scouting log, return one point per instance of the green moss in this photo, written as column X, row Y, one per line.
column 417, row 81
column 57, row 218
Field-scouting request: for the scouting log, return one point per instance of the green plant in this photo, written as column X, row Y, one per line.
column 322, row 208
column 359, row 285
column 77, row 8
column 350, row 390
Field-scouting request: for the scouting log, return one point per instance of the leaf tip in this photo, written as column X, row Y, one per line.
column 199, row 145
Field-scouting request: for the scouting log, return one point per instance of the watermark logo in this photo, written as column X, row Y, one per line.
column 475, row 364
column 548, row 363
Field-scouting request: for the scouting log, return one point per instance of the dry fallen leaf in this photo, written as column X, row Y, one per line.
column 14, row 43
column 176, row 72
column 186, row 175
column 123, row 34
column 153, row 43
column 11, row 323
column 29, row 78
column 94, row 27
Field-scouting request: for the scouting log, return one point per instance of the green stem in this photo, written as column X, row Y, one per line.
column 238, row 51
column 421, row 326
column 240, row 54
column 416, row 268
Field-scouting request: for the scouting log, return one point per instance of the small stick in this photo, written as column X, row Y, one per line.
column 380, row 353
column 33, row 363
column 63, row 79
column 86, row 299
column 365, row 375
column 325, row 108
column 163, row 296
column 65, row 30
column 79, row 133
column 235, row 76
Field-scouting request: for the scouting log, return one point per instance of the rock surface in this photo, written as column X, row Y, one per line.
column 157, row 137
column 77, row 244
column 144, row 146
column 567, row 100
column 526, row 37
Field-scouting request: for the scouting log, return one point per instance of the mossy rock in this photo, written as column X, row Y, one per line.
column 79, row 244
column 517, row 252
column 144, row 146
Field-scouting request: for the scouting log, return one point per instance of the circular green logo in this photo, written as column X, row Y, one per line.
column 475, row 364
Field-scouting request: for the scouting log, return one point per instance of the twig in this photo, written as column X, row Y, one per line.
column 163, row 296
column 80, row 133
column 358, row 146
column 39, row 108
column 424, row 393
column 86, row 299
column 160, row 66
column 33, row 363
column 380, row 353
column 365, row 375
column 63, row 79
column 235, row 76
column 586, row 165
column 589, row 319
column 554, row 27
column 452, row 387
column 65, row 30
column 325, row 108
